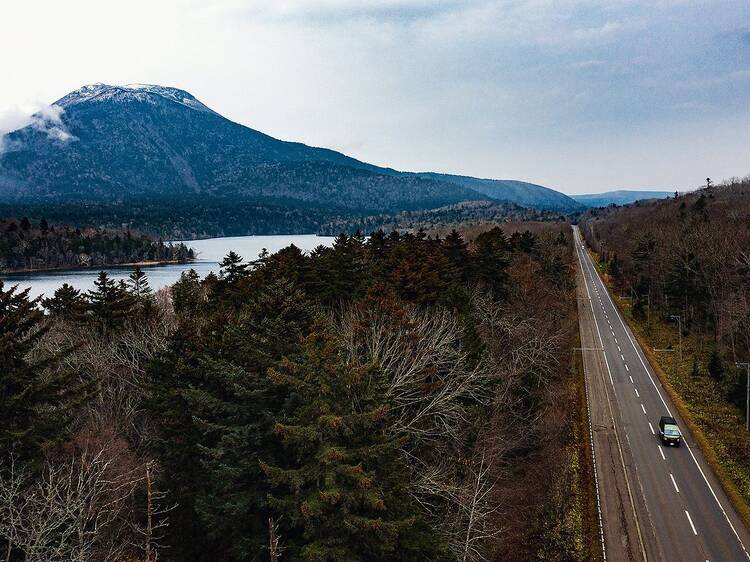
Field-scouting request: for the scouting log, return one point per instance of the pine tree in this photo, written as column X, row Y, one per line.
column 109, row 302
column 215, row 407
column 716, row 366
column 33, row 398
column 67, row 303
column 232, row 268
column 340, row 491
column 491, row 260
column 187, row 296
column 138, row 285
column 457, row 252
column 141, row 294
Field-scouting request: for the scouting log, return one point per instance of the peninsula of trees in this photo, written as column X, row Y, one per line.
column 29, row 246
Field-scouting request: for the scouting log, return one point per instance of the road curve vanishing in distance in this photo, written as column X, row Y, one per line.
column 657, row 503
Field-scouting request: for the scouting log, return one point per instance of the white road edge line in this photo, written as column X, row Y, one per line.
column 591, row 437
column 648, row 372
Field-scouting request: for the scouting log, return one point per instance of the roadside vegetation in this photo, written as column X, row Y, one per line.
column 399, row 398
column 683, row 263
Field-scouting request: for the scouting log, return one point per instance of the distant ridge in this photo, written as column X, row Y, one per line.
column 619, row 197
column 523, row 193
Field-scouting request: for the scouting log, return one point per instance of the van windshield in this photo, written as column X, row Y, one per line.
column 671, row 430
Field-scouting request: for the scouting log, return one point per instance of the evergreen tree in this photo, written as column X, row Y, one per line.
column 457, row 252
column 67, row 303
column 141, row 294
column 341, row 489
column 232, row 268
column 33, row 398
column 187, row 296
column 109, row 302
column 216, row 406
column 138, row 285
column 491, row 260
column 716, row 366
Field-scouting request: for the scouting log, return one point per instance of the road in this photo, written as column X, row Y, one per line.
column 656, row 502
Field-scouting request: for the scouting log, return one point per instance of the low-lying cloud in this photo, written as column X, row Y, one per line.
column 46, row 119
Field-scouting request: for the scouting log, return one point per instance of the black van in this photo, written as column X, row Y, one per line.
column 669, row 432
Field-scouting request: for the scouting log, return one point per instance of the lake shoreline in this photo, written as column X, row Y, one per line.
column 147, row 264
column 208, row 254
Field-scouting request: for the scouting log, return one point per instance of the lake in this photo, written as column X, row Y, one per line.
column 209, row 253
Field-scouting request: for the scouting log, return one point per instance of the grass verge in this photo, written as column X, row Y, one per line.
column 568, row 523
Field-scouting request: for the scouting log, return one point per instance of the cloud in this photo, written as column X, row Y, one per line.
column 46, row 119
column 588, row 63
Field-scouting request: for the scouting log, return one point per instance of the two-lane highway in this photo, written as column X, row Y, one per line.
column 681, row 512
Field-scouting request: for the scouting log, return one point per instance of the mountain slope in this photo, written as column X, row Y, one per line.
column 619, row 197
column 520, row 192
column 133, row 142
column 119, row 144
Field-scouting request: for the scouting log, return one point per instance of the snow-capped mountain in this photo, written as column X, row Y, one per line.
column 103, row 144
column 148, row 93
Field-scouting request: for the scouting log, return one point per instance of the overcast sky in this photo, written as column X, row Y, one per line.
column 579, row 95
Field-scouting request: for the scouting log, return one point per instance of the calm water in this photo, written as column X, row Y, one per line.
column 209, row 253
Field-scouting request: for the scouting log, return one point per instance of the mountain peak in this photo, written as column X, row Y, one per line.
column 149, row 93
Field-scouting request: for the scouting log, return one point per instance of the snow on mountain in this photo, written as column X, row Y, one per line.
column 130, row 92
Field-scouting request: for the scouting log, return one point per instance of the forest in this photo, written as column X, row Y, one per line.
column 458, row 215
column 686, row 256
column 401, row 397
column 681, row 267
column 26, row 246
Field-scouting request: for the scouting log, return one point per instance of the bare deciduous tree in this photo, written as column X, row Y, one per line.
column 70, row 513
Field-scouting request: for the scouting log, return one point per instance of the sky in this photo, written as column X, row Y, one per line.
column 579, row 95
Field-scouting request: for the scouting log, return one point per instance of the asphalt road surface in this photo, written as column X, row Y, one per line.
column 656, row 502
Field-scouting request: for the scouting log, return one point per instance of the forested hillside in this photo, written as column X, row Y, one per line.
column 686, row 255
column 682, row 266
column 451, row 216
column 399, row 398
column 33, row 246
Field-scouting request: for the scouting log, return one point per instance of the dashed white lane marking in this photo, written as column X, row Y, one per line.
column 616, row 341
column 642, row 408
column 618, row 348
column 651, row 427
column 636, row 392
column 613, row 332
column 674, row 483
column 627, row 369
column 662, row 454
column 622, row 357
column 631, row 377
column 691, row 523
